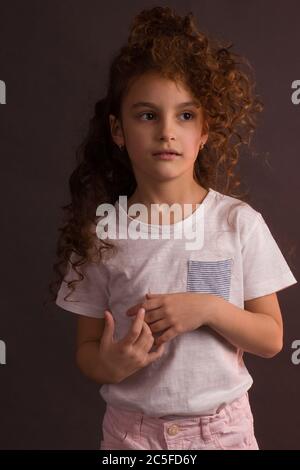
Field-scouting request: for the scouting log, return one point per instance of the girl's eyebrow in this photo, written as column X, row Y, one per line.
column 152, row 105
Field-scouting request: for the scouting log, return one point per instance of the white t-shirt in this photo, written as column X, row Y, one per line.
column 236, row 257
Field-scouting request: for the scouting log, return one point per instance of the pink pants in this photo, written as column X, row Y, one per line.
column 231, row 428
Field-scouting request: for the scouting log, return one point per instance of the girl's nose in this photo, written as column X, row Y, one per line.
column 166, row 129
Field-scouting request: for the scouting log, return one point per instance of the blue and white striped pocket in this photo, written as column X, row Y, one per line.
column 210, row 277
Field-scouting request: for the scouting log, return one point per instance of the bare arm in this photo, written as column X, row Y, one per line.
column 257, row 330
column 89, row 333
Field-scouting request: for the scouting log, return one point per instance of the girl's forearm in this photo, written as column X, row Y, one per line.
column 257, row 333
column 91, row 365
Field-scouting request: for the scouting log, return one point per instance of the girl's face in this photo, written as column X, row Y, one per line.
column 164, row 122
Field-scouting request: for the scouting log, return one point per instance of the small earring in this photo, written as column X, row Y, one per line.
column 121, row 147
column 202, row 146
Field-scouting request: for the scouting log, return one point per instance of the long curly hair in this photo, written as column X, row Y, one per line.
column 162, row 41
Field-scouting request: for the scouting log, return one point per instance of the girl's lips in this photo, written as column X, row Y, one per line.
column 166, row 156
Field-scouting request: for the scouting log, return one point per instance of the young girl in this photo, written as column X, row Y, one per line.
column 166, row 310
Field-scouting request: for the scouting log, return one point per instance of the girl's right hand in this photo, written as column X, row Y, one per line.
column 132, row 352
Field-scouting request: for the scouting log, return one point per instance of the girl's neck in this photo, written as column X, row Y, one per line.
column 194, row 197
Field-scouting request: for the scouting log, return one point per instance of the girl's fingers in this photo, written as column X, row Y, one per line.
column 152, row 356
column 136, row 327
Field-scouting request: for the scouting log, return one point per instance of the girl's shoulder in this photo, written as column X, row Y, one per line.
column 236, row 212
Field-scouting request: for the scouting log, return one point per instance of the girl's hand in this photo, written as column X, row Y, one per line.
column 176, row 312
column 132, row 352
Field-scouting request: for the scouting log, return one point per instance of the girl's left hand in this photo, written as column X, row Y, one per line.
column 177, row 312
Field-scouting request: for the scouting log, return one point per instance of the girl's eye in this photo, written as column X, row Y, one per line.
column 186, row 112
column 143, row 114
column 191, row 114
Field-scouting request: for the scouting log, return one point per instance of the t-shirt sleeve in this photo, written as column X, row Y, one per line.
column 265, row 269
column 90, row 297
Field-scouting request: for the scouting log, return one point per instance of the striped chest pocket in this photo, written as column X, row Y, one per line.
column 210, row 277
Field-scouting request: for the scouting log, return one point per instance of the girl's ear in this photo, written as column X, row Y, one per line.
column 204, row 138
column 205, row 131
column 116, row 130
column 205, row 125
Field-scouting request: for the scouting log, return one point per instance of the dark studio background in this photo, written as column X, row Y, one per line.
column 54, row 58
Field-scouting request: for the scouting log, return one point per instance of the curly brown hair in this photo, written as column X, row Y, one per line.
column 162, row 41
